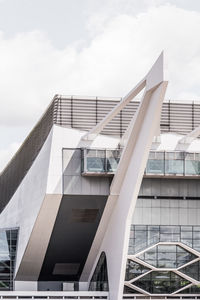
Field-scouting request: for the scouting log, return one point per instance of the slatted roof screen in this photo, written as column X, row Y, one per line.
column 84, row 113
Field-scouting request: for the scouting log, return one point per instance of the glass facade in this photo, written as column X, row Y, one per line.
column 8, row 248
column 100, row 161
column 167, row 256
column 165, row 282
column 143, row 236
column 160, row 261
column 99, row 281
column 128, row 290
column 159, row 162
column 192, row 270
column 133, row 270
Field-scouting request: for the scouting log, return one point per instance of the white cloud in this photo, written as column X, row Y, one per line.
column 120, row 52
column 6, row 154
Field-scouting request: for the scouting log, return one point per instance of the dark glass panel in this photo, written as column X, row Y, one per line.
column 191, row 290
column 192, row 270
column 161, row 282
column 128, row 290
column 99, row 281
column 8, row 241
column 134, row 270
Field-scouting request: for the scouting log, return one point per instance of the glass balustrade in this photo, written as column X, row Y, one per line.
column 169, row 163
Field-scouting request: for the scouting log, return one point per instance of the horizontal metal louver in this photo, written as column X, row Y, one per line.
column 85, row 113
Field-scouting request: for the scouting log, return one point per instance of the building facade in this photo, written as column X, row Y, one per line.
column 104, row 196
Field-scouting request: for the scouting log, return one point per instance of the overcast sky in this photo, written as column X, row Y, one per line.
column 89, row 47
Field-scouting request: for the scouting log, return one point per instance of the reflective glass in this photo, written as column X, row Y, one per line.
column 96, row 160
column 128, row 290
column 170, row 229
column 187, row 242
column 99, row 281
column 8, row 243
column 167, row 256
column 155, row 166
column 196, row 235
column 191, row 290
column 134, row 270
column 169, row 237
column 196, row 228
column 112, row 160
column 192, row 167
column 161, row 282
column 186, row 228
column 174, row 167
column 192, row 270
column 186, row 235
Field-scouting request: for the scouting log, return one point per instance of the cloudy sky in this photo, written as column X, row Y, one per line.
column 89, row 47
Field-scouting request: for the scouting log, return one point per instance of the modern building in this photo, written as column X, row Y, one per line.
column 102, row 200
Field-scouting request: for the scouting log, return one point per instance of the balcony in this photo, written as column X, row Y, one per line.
column 104, row 162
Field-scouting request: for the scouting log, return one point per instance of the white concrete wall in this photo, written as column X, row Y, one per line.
column 23, row 208
column 69, row 138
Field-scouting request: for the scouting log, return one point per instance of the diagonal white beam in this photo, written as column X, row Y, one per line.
column 126, row 185
column 153, row 78
column 99, row 127
column 113, row 233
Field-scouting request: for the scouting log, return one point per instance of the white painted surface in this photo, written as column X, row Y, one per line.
column 70, row 138
column 23, row 208
column 112, row 236
column 25, row 286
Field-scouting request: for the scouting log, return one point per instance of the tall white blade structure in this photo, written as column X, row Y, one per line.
column 112, row 236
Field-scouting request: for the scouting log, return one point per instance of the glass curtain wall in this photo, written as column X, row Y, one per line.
column 8, row 248
column 99, row 281
column 159, row 264
column 159, row 162
column 143, row 236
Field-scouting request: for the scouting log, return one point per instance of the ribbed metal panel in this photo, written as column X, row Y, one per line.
column 17, row 168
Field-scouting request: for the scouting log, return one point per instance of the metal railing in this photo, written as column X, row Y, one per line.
column 53, row 295
column 162, row 297
column 160, row 163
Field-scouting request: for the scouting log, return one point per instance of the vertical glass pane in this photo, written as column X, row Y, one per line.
column 155, row 166
column 96, row 160
column 99, row 281
column 192, row 167
column 8, row 242
column 112, row 160
column 134, row 270
column 174, row 167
